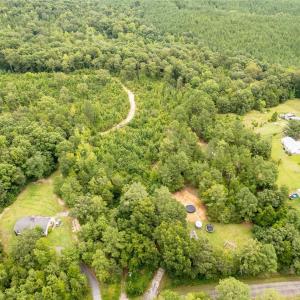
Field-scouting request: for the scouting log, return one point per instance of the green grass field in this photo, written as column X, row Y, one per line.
column 237, row 234
column 36, row 199
column 288, row 165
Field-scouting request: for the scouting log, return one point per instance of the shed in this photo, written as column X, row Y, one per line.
column 31, row 222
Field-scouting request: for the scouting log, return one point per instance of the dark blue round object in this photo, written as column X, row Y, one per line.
column 190, row 208
column 209, row 228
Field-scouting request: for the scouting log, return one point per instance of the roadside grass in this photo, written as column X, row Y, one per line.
column 138, row 282
column 110, row 291
column 37, row 198
column 194, row 286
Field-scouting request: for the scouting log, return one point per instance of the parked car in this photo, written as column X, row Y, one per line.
column 294, row 196
column 58, row 222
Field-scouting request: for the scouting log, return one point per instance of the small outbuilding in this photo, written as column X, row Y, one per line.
column 290, row 145
column 32, row 222
column 210, row 228
column 287, row 116
column 190, row 208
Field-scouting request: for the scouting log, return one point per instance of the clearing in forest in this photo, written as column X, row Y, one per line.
column 229, row 236
column 37, row 199
column 288, row 165
column 187, row 196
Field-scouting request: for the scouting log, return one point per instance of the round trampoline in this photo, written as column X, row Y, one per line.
column 209, row 228
column 190, row 208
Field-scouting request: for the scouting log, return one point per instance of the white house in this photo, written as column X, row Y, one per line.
column 290, row 145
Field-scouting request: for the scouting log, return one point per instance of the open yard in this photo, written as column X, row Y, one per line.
column 288, row 165
column 225, row 235
column 228, row 236
column 38, row 199
column 188, row 196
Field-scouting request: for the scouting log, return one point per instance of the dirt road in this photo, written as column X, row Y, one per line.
column 153, row 290
column 130, row 115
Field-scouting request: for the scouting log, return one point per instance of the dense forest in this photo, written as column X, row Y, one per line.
column 62, row 64
column 267, row 30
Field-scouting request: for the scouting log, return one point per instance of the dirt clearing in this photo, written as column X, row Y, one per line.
column 187, row 196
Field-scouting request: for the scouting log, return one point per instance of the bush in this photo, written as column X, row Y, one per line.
column 137, row 282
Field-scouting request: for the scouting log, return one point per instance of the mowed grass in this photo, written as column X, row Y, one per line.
column 37, row 199
column 288, row 165
column 236, row 234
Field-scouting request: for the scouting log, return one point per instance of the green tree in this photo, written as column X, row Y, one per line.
column 257, row 258
column 232, row 289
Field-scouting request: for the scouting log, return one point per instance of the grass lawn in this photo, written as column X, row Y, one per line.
column 37, row 199
column 238, row 234
column 288, row 165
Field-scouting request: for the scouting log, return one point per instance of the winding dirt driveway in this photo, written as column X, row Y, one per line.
column 130, row 115
column 92, row 279
column 93, row 282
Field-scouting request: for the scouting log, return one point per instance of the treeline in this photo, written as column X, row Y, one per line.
column 257, row 28
column 35, row 271
column 90, row 37
column 39, row 111
column 119, row 185
column 135, row 226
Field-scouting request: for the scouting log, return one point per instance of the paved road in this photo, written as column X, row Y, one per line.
column 153, row 291
column 93, row 282
column 288, row 288
column 130, row 115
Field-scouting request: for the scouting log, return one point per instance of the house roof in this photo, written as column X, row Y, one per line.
column 291, row 145
column 31, row 222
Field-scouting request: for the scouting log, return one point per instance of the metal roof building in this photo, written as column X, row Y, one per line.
column 32, row 222
column 290, row 145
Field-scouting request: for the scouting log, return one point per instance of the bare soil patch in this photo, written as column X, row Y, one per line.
column 189, row 195
column 43, row 181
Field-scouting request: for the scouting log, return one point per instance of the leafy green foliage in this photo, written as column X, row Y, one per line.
column 118, row 185
column 293, row 129
column 232, row 289
column 35, row 270
column 260, row 24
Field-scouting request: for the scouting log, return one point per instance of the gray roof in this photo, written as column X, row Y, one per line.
column 290, row 145
column 32, row 222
